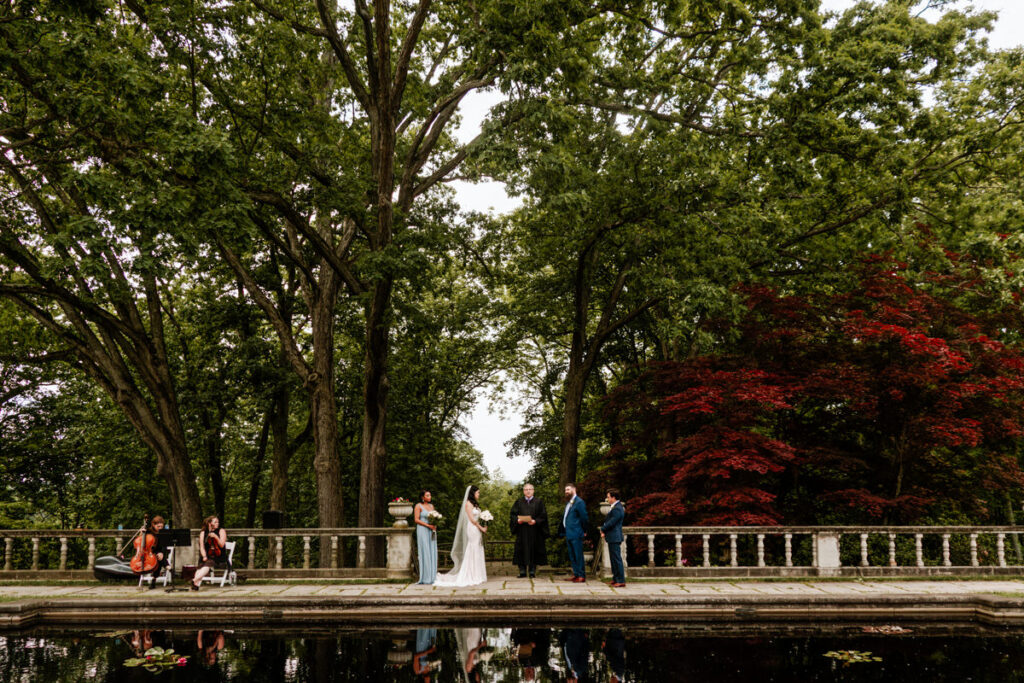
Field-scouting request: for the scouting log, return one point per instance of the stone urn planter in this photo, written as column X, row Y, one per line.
column 605, row 508
column 400, row 510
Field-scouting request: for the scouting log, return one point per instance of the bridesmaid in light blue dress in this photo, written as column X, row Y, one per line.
column 426, row 539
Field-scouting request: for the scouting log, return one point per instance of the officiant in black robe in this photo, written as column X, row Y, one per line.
column 529, row 535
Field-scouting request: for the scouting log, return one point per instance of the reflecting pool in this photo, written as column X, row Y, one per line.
column 879, row 652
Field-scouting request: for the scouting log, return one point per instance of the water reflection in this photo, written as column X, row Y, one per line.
column 511, row 655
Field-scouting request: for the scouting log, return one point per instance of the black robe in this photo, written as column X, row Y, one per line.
column 530, row 550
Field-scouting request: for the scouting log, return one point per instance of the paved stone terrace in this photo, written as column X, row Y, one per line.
column 511, row 600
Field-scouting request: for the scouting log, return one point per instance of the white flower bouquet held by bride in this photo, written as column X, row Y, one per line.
column 486, row 516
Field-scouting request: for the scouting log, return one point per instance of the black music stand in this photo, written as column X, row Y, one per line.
column 177, row 538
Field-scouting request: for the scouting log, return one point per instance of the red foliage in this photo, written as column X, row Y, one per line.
column 890, row 401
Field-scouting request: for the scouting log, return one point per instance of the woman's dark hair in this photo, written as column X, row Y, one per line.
column 423, row 493
column 471, row 497
column 206, row 522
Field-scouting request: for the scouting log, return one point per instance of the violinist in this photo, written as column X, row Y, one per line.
column 212, row 542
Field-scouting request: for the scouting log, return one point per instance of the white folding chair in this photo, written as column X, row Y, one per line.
column 227, row 575
column 165, row 572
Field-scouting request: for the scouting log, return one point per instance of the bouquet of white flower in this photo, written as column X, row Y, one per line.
column 434, row 514
column 486, row 516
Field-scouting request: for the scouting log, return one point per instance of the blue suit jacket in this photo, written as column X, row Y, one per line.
column 612, row 526
column 574, row 524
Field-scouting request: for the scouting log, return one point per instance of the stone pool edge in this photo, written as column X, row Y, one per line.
column 978, row 609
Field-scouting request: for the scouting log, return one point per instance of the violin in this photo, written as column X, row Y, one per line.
column 144, row 559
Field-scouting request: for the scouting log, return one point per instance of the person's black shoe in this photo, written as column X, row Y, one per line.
column 152, row 584
column 522, row 575
column 533, row 576
column 194, row 587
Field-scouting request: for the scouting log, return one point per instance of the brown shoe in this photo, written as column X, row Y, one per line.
column 618, row 585
column 571, row 579
column 579, row 579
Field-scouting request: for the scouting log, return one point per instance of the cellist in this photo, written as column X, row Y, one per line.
column 159, row 550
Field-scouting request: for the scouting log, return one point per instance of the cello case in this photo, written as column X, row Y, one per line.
column 110, row 568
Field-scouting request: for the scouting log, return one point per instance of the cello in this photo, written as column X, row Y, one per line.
column 144, row 559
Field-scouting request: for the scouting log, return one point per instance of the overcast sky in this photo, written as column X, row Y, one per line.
column 489, row 430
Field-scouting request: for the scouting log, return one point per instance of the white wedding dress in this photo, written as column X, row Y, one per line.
column 470, row 567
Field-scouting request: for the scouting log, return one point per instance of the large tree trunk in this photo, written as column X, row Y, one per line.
column 320, row 386
column 575, row 383
column 373, row 460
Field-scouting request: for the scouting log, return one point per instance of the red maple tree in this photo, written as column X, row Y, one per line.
column 896, row 401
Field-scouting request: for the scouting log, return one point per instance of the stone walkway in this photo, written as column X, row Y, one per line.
column 509, row 600
column 521, row 588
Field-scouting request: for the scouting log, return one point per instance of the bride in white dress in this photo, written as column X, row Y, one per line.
column 468, row 546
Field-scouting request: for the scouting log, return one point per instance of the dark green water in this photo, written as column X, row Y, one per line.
column 510, row 655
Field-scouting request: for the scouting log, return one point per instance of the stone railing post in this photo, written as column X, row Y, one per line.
column 279, row 541
column 706, row 538
column 892, row 550
column 679, row 550
column 733, row 560
column 252, row 552
column 92, row 553
column 35, row 554
column 361, row 553
column 918, row 550
column 974, row 550
column 864, row 550
column 305, row 552
column 826, row 545
column 1001, row 549
column 789, row 550
column 760, row 550
column 650, row 550
column 945, row 551
column 63, row 553
column 334, row 552
column 8, row 554
column 399, row 554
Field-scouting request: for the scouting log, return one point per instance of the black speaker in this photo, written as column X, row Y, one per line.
column 273, row 519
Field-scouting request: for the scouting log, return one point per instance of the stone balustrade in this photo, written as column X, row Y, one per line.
column 649, row 551
column 821, row 551
column 266, row 553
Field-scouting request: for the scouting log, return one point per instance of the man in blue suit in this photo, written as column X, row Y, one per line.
column 611, row 532
column 573, row 527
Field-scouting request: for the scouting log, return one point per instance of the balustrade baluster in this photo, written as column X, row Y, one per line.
column 650, row 550
column 892, row 550
column 918, row 551
column 625, row 552
column 8, row 554
column 707, row 550
column 63, row 553
column 679, row 550
column 814, row 550
column 1001, row 549
column 305, row 552
column 92, row 553
column 974, row 550
column 945, row 551
column 251, row 559
column 789, row 550
column 733, row 560
column 117, row 545
column 334, row 552
column 361, row 554
column 864, row 550
column 35, row 554
column 760, row 550
column 280, row 551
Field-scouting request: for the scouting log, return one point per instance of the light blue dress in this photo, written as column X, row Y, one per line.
column 426, row 543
